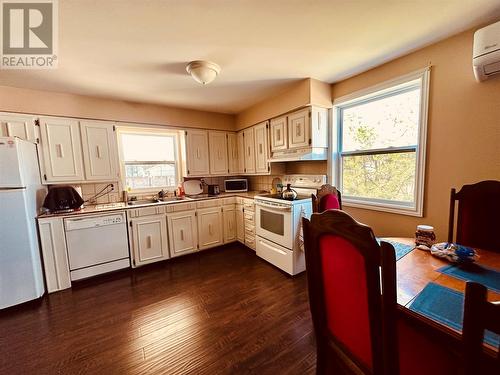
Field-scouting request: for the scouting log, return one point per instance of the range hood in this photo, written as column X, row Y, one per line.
column 300, row 154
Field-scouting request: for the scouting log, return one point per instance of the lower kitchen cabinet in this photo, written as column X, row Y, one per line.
column 209, row 227
column 55, row 256
column 230, row 227
column 240, row 223
column 149, row 239
column 182, row 233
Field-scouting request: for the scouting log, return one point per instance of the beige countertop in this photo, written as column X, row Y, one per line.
column 92, row 209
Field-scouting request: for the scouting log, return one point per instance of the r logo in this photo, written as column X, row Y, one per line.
column 27, row 28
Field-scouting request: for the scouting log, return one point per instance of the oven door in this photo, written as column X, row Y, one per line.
column 274, row 223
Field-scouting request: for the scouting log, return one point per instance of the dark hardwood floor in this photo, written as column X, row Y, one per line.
column 222, row 311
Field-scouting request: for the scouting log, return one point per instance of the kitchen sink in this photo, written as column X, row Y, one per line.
column 153, row 201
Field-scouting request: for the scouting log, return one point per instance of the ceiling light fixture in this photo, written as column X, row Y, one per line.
column 203, row 72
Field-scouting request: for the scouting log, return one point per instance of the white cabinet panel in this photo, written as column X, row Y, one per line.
column 299, row 129
column 261, row 148
column 218, row 153
column 99, row 150
column 197, row 153
column 61, row 149
column 240, row 224
column 209, row 227
column 241, row 152
column 21, row 126
column 230, row 225
column 182, row 233
column 55, row 256
column 249, row 141
column 279, row 134
column 232, row 152
column 149, row 240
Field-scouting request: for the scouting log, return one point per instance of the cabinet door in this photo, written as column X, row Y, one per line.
column 241, row 152
column 218, row 153
column 229, row 218
column 240, row 223
column 232, row 152
column 61, row 149
column 21, row 126
column 261, row 148
column 209, row 227
column 279, row 134
column 182, row 233
column 299, row 129
column 99, row 150
column 197, row 153
column 149, row 239
column 249, row 150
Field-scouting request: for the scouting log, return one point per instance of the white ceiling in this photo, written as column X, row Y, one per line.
column 137, row 50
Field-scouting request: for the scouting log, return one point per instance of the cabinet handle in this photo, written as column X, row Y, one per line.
column 210, row 229
column 148, row 242
column 59, row 150
column 278, row 134
column 182, row 235
column 298, row 130
column 197, row 153
column 248, row 150
column 98, row 152
column 260, row 148
column 218, row 155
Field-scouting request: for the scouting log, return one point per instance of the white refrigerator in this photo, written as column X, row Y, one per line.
column 21, row 196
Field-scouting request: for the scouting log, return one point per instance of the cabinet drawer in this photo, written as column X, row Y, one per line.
column 250, row 217
column 239, row 200
column 178, row 207
column 250, row 242
column 229, row 200
column 249, row 231
column 249, row 206
column 229, row 207
column 209, row 203
column 146, row 211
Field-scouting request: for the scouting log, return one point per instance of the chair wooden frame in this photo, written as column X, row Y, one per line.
column 478, row 189
column 479, row 314
column 324, row 190
column 382, row 307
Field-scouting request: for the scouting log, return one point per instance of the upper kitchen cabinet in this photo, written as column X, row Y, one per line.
column 261, row 148
column 249, row 150
column 232, row 152
column 21, row 126
column 299, row 129
column 99, row 150
column 240, row 138
column 279, row 134
column 218, row 153
column 300, row 135
column 197, row 154
column 61, row 150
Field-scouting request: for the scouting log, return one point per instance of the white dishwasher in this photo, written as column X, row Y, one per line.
column 96, row 244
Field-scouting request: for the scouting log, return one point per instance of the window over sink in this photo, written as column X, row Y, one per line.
column 149, row 159
column 380, row 155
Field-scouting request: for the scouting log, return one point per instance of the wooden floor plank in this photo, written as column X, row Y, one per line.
column 222, row 311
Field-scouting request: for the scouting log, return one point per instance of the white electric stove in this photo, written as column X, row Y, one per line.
column 278, row 223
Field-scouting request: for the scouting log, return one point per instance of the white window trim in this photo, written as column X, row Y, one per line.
column 141, row 130
column 335, row 160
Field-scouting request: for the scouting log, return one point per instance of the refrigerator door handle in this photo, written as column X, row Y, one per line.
column 3, row 189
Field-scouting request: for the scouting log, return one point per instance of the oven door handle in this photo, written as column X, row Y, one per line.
column 271, row 207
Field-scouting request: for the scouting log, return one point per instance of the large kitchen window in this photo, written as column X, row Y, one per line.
column 381, row 145
column 149, row 159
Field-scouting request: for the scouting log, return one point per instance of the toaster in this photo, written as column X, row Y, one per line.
column 213, row 190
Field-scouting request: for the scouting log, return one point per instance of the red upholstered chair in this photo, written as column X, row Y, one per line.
column 479, row 315
column 352, row 295
column 328, row 198
column 478, row 215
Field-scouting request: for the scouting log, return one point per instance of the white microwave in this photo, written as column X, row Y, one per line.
column 236, row 185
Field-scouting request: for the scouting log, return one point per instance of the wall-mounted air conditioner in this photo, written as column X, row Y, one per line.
column 486, row 52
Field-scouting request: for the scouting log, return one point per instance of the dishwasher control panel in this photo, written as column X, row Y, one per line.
column 93, row 221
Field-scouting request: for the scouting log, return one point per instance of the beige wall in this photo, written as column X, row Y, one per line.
column 305, row 92
column 59, row 104
column 463, row 144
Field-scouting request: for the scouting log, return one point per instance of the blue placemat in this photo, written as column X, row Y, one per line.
column 400, row 248
column 489, row 277
column 446, row 306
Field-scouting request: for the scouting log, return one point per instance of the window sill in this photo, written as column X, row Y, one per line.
column 390, row 208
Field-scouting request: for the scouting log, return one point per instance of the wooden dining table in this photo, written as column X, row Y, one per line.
column 418, row 268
